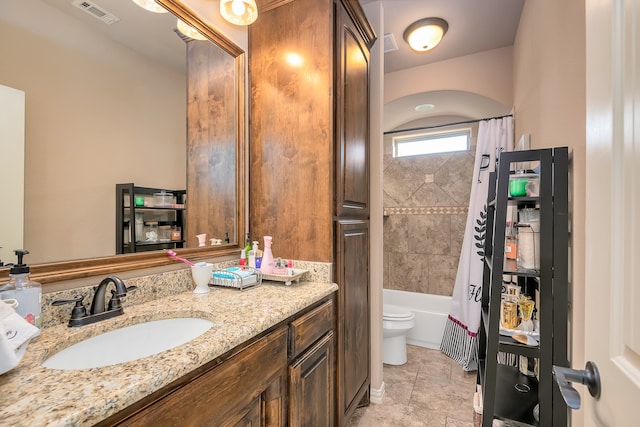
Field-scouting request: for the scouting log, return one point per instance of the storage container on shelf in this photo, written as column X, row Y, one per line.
column 524, row 184
column 163, row 199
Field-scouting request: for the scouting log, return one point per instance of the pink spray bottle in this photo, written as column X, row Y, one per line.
column 267, row 257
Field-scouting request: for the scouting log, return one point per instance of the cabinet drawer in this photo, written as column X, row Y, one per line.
column 309, row 327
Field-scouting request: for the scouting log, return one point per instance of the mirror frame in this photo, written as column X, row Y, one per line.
column 82, row 268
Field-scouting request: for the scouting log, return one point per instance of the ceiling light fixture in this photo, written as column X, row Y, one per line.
column 425, row 34
column 150, row 5
column 239, row 12
column 187, row 30
column 424, row 107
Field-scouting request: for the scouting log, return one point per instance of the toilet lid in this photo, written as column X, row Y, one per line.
column 396, row 313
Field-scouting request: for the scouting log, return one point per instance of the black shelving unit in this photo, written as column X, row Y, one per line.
column 507, row 393
column 126, row 211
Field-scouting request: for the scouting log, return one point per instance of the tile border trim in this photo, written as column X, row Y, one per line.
column 430, row 210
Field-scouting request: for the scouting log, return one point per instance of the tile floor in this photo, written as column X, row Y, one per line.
column 429, row 390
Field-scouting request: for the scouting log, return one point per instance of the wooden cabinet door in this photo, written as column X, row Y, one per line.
column 311, row 390
column 252, row 417
column 352, row 276
column 352, row 118
column 245, row 390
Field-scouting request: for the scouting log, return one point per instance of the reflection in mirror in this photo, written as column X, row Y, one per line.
column 99, row 112
column 210, row 117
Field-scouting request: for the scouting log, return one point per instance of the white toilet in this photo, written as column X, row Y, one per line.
column 396, row 323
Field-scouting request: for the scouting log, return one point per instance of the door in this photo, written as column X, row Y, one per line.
column 352, row 276
column 352, row 118
column 12, row 116
column 612, row 293
column 311, row 389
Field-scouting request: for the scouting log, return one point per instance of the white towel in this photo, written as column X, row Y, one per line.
column 15, row 333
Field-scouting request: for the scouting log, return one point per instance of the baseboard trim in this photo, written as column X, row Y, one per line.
column 376, row 395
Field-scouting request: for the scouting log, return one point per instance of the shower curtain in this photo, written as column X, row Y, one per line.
column 459, row 340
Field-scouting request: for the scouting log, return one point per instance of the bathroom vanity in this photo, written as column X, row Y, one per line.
column 269, row 354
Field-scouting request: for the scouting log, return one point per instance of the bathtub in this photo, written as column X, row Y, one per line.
column 430, row 311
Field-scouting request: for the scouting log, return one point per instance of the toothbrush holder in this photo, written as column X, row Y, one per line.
column 202, row 274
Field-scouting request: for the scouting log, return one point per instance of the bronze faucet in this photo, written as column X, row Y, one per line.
column 98, row 312
column 98, row 304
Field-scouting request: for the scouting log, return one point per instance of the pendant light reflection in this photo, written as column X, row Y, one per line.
column 294, row 59
column 150, row 5
column 425, row 34
column 189, row 31
column 239, row 12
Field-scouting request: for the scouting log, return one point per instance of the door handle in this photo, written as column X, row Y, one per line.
column 589, row 377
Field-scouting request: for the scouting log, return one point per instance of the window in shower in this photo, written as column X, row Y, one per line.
column 431, row 143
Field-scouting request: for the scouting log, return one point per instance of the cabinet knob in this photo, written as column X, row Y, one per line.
column 589, row 377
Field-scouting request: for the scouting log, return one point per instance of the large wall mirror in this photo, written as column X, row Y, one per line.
column 116, row 103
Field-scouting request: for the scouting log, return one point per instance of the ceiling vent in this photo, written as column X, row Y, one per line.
column 390, row 44
column 96, row 11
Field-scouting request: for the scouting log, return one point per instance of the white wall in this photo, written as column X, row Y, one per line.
column 375, row 15
column 550, row 105
column 486, row 73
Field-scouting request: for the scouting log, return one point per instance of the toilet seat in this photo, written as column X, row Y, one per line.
column 395, row 313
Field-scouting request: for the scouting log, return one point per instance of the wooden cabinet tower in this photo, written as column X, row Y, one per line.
column 309, row 158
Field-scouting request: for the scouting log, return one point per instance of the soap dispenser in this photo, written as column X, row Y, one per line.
column 255, row 256
column 27, row 292
column 267, row 259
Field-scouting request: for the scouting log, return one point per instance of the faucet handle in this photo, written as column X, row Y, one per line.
column 79, row 311
column 114, row 302
column 127, row 289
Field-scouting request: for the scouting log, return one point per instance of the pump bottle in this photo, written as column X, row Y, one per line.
column 247, row 245
column 27, row 292
column 255, row 256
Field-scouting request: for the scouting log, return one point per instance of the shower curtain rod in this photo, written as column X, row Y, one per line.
column 446, row 124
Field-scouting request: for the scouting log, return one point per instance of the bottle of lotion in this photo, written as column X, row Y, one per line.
column 267, row 259
column 27, row 292
column 253, row 255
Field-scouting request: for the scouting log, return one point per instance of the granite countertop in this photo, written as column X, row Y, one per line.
column 31, row 395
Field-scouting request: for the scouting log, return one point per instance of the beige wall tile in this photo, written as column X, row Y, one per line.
column 424, row 231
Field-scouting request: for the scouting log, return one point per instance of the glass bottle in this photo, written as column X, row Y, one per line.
column 176, row 233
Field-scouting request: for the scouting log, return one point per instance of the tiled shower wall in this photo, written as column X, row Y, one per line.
column 425, row 203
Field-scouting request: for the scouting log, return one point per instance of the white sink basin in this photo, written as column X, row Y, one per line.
column 128, row 343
